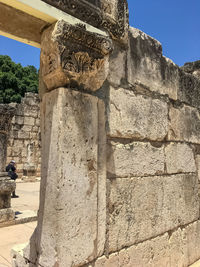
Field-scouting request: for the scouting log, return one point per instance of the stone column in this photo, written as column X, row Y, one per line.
column 71, row 228
column 73, row 64
column 7, row 186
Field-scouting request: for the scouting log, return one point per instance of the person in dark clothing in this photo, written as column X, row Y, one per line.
column 12, row 173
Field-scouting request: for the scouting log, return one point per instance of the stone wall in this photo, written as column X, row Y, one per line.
column 153, row 161
column 121, row 165
column 24, row 138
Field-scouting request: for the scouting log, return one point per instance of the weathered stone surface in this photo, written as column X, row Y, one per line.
column 6, row 215
column 185, row 243
column 184, row 124
column 197, row 160
column 3, row 151
column 189, row 89
column 136, row 116
column 6, row 115
column 134, row 159
column 181, row 248
column 111, row 16
column 150, row 206
column 72, row 56
column 179, row 158
column 192, row 67
column 69, row 192
column 29, row 121
column 146, row 65
column 117, row 66
column 7, row 186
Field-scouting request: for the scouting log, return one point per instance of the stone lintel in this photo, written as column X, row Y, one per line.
column 71, row 55
column 110, row 16
column 21, row 26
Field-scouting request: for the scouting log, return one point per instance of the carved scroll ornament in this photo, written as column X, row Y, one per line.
column 108, row 15
column 70, row 55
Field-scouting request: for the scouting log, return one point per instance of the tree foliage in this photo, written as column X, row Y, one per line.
column 16, row 80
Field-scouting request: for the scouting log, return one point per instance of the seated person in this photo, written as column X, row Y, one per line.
column 12, row 173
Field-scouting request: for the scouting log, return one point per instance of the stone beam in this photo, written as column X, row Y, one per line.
column 24, row 20
column 18, row 25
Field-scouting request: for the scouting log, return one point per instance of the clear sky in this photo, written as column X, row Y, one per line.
column 175, row 23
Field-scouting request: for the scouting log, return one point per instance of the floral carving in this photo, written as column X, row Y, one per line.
column 80, row 62
column 74, row 55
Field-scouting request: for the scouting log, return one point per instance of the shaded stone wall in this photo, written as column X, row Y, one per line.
column 24, row 138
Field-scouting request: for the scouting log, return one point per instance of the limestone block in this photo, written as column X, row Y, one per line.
column 16, row 151
column 23, row 135
column 197, row 160
column 6, row 215
column 185, row 245
column 184, row 124
column 179, row 158
column 136, row 116
column 3, row 150
column 19, row 120
column 17, row 256
column 35, row 129
column 9, row 151
column 37, row 122
column 33, row 135
column 181, row 248
column 31, row 111
column 69, row 191
column 134, row 159
column 189, row 89
column 27, row 128
column 10, row 141
column 13, row 134
column 150, row 206
column 117, row 66
column 29, row 121
column 152, row 253
column 31, row 99
column 148, row 66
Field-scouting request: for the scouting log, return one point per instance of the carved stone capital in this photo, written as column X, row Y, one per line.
column 72, row 56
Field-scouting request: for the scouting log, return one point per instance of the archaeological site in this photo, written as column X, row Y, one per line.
column 119, row 133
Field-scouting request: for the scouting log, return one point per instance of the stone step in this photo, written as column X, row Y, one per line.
column 24, row 216
column 196, row 264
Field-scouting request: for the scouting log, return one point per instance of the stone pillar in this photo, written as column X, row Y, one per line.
column 7, row 186
column 71, row 228
column 73, row 64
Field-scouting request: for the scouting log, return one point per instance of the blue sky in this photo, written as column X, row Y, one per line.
column 175, row 23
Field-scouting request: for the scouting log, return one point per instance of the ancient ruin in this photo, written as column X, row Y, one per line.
column 24, row 138
column 7, row 186
column 120, row 131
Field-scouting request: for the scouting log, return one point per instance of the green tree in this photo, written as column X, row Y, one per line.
column 16, row 80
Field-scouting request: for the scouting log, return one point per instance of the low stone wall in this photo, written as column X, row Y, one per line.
column 24, row 139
